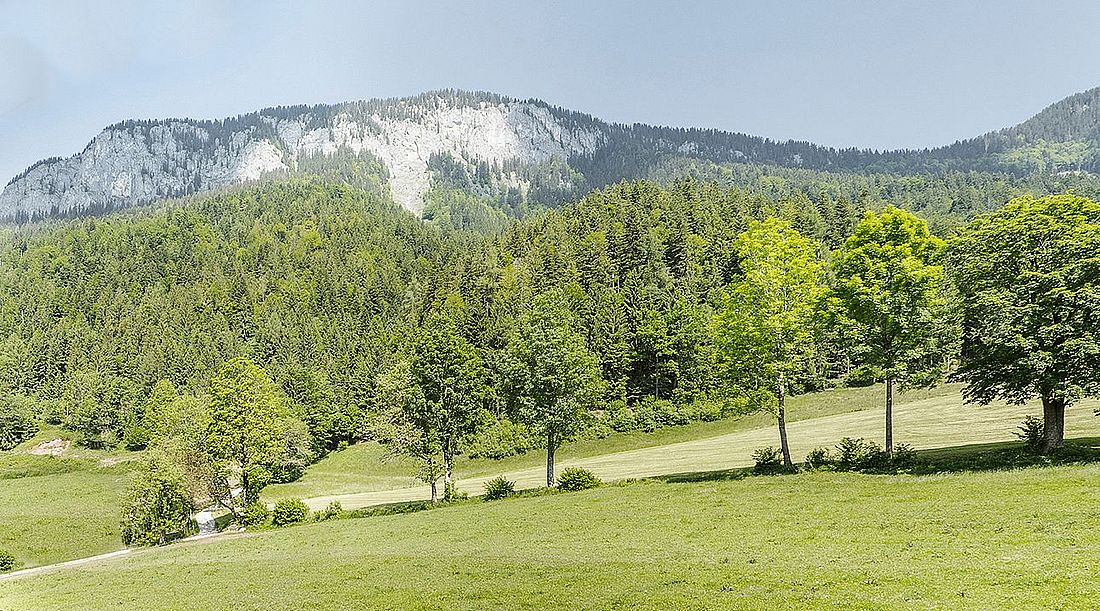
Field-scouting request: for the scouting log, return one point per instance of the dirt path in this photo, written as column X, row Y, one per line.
column 930, row 423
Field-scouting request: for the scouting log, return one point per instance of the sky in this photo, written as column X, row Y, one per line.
column 867, row 74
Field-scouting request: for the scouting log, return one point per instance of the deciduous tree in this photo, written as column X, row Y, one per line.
column 1028, row 277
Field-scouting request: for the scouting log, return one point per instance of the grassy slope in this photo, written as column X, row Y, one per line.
column 59, row 508
column 362, row 468
column 1018, row 539
column 927, row 420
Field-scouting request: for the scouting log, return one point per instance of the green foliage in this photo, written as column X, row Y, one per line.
column 573, row 479
column 157, row 505
column 1030, row 432
column 765, row 329
column 860, row 455
column 818, row 458
column 767, row 460
column 890, row 283
column 251, row 428
column 1028, row 277
column 331, row 511
column 289, row 511
column 7, row 561
column 17, row 421
column 549, row 375
column 255, row 513
column 135, row 437
column 500, row 437
column 499, row 487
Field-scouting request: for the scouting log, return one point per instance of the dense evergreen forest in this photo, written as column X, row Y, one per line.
column 658, row 305
column 326, row 282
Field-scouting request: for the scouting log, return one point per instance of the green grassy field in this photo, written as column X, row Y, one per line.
column 59, row 508
column 56, row 509
column 1010, row 539
column 365, row 468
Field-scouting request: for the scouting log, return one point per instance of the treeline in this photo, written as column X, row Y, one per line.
column 315, row 315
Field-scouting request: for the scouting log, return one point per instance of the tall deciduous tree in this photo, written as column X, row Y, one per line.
column 453, row 382
column 550, row 375
column 1028, row 276
column 249, row 417
column 890, row 280
column 765, row 331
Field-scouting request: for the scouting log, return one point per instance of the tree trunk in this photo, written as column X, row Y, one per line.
column 550, row 443
column 244, row 489
column 889, row 416
column 448, row 463
column 434, row 495
column 1054, row 423
column 783, row 424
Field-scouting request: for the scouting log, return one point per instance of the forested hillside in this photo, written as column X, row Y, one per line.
column 324, row 285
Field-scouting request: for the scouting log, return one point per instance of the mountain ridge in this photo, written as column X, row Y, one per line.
column 523, row 149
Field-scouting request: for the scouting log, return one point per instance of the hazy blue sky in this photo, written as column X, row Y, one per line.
column 883, row 74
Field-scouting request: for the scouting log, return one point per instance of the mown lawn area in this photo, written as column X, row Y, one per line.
column 1026, row 538
column 365, row 467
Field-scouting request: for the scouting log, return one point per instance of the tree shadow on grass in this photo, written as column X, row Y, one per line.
column 999, row 456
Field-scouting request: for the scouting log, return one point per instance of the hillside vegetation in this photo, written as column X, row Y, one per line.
column 1015, row 539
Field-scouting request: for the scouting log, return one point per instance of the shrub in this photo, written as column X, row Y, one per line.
column 333, row 510
column 17, row 421
column 289, row 511
column 256, row 513
column 905, row 456
column 498, row 488
column 157, row 506
column 767, row 460
column 135, row 438
column 7, row 561
column 622, row 417
column 500, row 438
column 575, row 478
column 849, row 453
column 704, row 411
column 1030, row 432
column 818, row 458
column 860, row 455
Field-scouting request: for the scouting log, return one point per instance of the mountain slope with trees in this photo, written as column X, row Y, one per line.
column 510, row 155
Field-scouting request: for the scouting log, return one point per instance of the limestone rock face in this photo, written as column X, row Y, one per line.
column 137, row 162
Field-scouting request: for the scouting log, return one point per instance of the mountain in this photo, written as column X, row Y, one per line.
column 521, row 153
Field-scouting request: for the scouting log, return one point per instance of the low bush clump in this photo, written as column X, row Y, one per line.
column 767, row 460
column 905, row 457
column 7, row 561
column 818, row 458
column 868, row 457
column 501, row 438
column 256, row 513
column 575, row 478
column 498, row 488
column 1030, row 432
column 135, row 438
column 332, row 511
column 289, row 511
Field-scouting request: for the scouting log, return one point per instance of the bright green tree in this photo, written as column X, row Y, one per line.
column 397, row 396
column 249, row 419
column 158, row 504
column 453, row 382
column 765, row 332
column 549, row 374
column 1028, row 277
column 890, row 282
